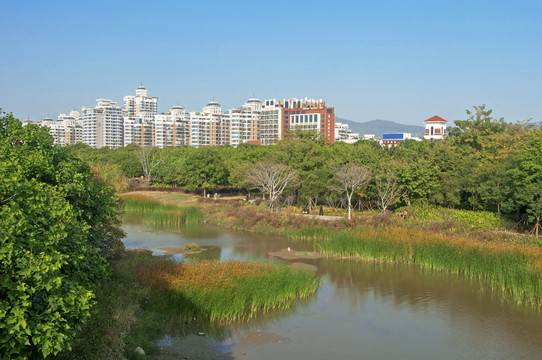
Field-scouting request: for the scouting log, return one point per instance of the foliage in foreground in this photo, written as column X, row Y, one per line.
column 119, row 302
column 224, row 290
column 57, row 226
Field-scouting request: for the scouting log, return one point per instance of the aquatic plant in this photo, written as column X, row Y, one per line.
column 224, row 290
column 512, row 268
column 156, row 213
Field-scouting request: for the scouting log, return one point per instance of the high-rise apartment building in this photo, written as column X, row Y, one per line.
column 139, row 118
column 138, row 122
column 173, row 128
column 56, row 128
column 270, row 127
column 140, row 103
column 66, row 130
column 243, row 126
column 210, row 126
column 103, row 125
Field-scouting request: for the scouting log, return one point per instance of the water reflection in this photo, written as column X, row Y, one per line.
column 362, row 310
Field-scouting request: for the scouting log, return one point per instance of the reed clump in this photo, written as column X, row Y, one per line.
column 157, row 214
column 515, row 269
column 224, row 291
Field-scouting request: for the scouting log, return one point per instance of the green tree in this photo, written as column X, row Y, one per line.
column 57, row 224
column 308, row 154
column 204, row 168
column 473, row 132
column 527, row 175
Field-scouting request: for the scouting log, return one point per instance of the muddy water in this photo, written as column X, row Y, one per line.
column 363, row 310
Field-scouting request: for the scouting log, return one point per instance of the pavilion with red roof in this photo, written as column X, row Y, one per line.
column 435, row 128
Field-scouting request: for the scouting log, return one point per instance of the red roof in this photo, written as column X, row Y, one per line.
column 435, row 119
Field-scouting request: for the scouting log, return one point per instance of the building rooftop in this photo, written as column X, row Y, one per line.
column 435, row 119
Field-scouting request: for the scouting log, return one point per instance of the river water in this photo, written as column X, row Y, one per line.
column 363, row 310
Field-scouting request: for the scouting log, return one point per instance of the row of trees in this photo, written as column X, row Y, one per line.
column 485, row 164
column 58, row 224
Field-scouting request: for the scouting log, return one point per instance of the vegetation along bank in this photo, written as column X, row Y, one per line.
column 510, row 263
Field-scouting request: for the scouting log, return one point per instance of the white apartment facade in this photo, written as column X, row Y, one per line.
column 243, row 127
column 103, row 125
column 269, row 123
column 139, row 118
column 66, row 130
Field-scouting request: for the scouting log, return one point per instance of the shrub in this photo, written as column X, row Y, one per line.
column 191, row 247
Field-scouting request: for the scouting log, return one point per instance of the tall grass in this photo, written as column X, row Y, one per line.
column 224, row 291
column 514, row 269
column 156, row 213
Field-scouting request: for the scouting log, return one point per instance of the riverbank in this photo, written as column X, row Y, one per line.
column 147, row 295
column 511, row 263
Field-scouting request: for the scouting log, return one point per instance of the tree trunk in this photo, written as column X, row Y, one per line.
column 349, row 207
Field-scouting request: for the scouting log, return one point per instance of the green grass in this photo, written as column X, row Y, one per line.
column 307, row 233
column 514, row 270
column 157, row 214
column 150, row 295
column 224, row 291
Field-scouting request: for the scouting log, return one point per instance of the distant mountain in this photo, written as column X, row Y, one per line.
column 379, row 127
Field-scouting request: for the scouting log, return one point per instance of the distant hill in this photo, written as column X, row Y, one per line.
column 379, row 127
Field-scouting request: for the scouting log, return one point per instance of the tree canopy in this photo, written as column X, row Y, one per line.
column 57, row 226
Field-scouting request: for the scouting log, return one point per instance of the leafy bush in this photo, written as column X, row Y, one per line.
column 478, row 220
column 56, row 226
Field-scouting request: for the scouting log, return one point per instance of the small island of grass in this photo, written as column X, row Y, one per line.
column 222, row 290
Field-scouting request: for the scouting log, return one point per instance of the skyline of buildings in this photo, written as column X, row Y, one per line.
column 256, row 122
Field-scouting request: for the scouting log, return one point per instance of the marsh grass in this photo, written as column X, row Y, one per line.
column 223, row 291
column 513, row 269
column 157, row 214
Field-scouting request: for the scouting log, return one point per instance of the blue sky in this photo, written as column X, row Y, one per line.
column 403, row 61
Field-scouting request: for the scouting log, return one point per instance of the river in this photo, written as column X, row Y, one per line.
column 363, row 310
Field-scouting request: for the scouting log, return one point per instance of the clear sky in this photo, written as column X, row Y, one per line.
column 403, row 61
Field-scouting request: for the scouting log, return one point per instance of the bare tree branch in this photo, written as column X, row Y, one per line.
column 149, row 160
column 350, row 178
column 271, row 178
column 389, row 191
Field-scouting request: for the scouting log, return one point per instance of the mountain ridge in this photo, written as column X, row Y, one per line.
column 379, row 127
